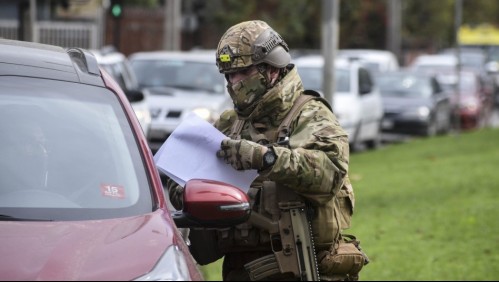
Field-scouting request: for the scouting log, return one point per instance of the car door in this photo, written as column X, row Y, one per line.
column 371, row 105
column 442, row 106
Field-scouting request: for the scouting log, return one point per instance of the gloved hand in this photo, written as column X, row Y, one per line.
column 242, row 154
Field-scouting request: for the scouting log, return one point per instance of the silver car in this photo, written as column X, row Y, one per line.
column 180, row 83
column 117, row 65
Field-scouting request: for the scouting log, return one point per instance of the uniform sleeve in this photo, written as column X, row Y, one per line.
column 317, row 163
column 225, row 121
column 176, row 194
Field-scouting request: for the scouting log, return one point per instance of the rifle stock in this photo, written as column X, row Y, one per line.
column 292, row 244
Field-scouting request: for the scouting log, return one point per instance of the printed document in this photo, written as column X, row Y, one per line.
column 190, row 153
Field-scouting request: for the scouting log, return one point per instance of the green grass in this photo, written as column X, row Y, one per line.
column 427, row 209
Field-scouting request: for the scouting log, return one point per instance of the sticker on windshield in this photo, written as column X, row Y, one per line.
column 112, row 191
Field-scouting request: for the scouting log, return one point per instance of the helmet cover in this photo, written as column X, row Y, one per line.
column 251, row 43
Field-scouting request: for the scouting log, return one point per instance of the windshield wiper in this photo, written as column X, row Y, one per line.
column 4, row 217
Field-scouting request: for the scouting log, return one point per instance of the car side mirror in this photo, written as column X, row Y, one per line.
column 134, row 95
column 212, row 204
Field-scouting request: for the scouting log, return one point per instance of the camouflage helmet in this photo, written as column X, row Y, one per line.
column 251, row 43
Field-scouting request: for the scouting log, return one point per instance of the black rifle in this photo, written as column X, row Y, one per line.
column 292, row 243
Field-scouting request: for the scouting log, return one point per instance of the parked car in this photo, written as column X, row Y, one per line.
column 434, row 62
column 473, row 105
column 356, row 103
column 117, row 65
column 80, row 195
column 377, row 61
column 414, row 104
column 180, row 83
column 475, row 59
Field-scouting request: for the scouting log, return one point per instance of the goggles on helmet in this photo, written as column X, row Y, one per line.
column 227, row 61
column 262, row 49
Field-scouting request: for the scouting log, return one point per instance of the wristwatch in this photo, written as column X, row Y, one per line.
column 269, row 158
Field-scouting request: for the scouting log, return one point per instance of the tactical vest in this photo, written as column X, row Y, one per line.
column 266, row 196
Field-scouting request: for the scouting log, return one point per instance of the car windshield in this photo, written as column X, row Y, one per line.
column 468, row 85
column 404, row 86
column 312, row 79
column 181, row 74
column 118, row 71
column 68, row 153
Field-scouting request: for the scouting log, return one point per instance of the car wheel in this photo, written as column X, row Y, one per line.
column 431, row 129
column 446, row 126
column 353, row 140
column 374, row 143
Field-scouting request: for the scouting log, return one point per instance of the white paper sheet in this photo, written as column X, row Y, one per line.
column 190, row 152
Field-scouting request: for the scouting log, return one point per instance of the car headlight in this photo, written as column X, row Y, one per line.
column 205, row 113
column 154, row 112
column 143, row 115
column 170, row 267
column 419, row 112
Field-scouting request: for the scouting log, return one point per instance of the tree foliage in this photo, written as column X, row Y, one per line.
column 362, row 23
column 428, row 25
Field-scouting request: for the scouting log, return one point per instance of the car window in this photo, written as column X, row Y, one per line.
column 404, row 86
column 122, row 73
column 365, row 81
column 69, row 149
column 179, row 74
column 468, row 83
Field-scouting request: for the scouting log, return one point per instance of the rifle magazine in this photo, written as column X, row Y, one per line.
column 263, row 267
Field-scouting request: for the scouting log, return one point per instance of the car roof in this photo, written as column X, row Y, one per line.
column 374, row 53
column 195, row 56
column 369, row 54
column 108, row 58
column 22, row 58
column 435, row 59
column 318, row 60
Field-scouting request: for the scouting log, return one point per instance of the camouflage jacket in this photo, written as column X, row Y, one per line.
column 314, row 166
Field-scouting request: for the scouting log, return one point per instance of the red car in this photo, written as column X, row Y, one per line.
column 80, row 195
column 473, row 105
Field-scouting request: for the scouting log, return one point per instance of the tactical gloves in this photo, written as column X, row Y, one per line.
column 242, row 154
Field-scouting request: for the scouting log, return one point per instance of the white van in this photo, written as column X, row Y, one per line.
column 356, row 101
column 375, row 60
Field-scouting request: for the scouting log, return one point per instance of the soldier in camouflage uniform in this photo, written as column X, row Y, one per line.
column 312, row 165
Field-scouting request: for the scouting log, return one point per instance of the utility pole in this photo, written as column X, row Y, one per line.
column 32, row 15
column 394, row 26
column 457, row 26
column 173, row 14
column 330, row 35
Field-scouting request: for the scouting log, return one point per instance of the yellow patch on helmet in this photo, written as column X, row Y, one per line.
column 224, row 58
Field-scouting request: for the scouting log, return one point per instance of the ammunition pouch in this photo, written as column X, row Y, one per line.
column 343, row 261
column 203, row 246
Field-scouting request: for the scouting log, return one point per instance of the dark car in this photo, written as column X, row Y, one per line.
column 414, row 104
column 80, row 195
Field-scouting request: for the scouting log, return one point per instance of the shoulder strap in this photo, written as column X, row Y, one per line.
column 318, row 97
column 235, row 131
column 283, row 130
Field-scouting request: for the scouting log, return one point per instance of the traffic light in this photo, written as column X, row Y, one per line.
column 116, row 8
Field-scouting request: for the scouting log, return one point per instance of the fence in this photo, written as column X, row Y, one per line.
column 65, row 34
